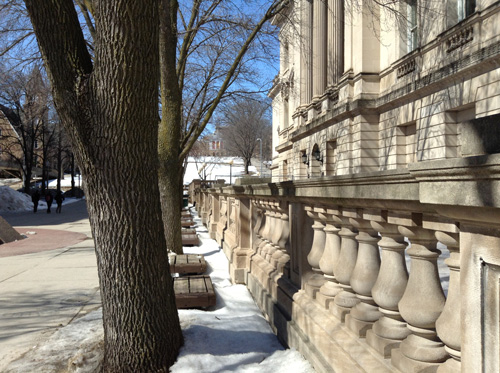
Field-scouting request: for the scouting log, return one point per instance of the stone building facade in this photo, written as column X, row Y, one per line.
column 376, row 248
column 367, row 89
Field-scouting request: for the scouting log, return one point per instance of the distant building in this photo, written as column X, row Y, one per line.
column 213, row 144
column 8, row 145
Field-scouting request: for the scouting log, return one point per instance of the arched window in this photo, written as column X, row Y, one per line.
column 316, row 161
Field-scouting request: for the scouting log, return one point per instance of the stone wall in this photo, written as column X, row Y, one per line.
column 349, row 269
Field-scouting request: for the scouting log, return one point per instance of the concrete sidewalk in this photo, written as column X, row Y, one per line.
column 48, row 288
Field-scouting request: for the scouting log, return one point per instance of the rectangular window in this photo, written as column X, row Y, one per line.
column 412, row 25
column 465, row 8
column 285, row 171
column 331, row 157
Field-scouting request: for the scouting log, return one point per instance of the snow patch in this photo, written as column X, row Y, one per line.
column 12, row 201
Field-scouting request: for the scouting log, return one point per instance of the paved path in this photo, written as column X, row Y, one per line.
column 47, row 288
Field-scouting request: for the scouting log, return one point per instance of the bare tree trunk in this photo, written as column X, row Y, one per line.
column 248, row 162
column 72, row 172
column 27, row 181
column 170, row 130
column 110, row 112
column 59, row 160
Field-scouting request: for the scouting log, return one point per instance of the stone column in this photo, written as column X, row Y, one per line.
column 316, row 280
column 335, row 48
column 306, row 55
column 388, row 332
column 448, row 325
column 421, row 305
column 319, row 48
column 364, row 275
column 343, row 269
column 331, row 287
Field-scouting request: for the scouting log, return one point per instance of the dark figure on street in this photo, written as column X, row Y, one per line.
column 49, row 199
column 35, row 197
column 59, row 200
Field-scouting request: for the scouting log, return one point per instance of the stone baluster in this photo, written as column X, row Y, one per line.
column 346, row 299
column 259, row 224
column 421, row 305
column 267, row 228
column 448, row 325
column 268, row 249
column 388, row 332
column 363, row 278
column 331, row 287
column 316, row 280
column 281, row 257
column 276, row 233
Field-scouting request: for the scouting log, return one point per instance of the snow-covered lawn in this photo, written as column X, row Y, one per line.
column 213, row 168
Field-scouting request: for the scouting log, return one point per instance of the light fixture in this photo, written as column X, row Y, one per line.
column 304, row 159
column 317, row 154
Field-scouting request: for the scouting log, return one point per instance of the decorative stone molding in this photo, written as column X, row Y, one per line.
column 318, row 104
column 406, row 68
column 459, row 39
column 333, row 96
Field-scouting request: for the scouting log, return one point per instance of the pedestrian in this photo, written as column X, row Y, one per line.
column 49, row 199
column 59, row 200
column 35, row 197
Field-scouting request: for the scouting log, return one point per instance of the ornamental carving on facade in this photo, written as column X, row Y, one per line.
column 461, row 38
column 406, row 68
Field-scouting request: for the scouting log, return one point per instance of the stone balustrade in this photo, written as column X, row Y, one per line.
column 349, row 270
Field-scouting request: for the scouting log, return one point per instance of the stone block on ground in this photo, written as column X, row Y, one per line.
column 7, row 233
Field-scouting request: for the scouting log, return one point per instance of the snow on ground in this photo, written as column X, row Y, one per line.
column 12, row 200
column 233, row 336
column 66, row 182
column 213, row 168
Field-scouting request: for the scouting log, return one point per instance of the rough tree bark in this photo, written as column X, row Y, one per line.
column 110, row 111
column 170, row 180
